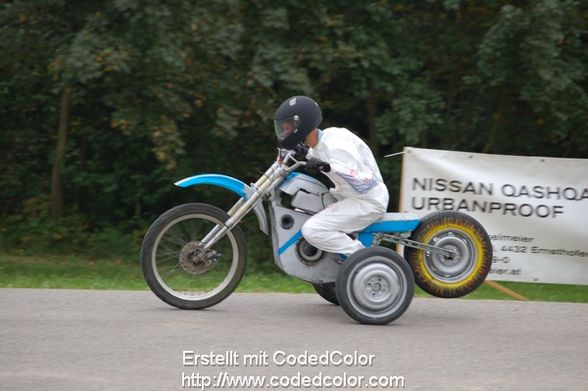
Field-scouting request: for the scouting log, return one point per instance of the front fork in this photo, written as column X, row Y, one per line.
column 264, row 185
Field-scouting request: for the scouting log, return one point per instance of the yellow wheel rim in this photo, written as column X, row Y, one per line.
column 457, row 272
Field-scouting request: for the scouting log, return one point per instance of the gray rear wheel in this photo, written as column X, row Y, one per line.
column 375, row 286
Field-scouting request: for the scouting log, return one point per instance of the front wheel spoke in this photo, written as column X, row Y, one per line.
column 185, row 231
column 195, row 231
column 171, row 253
column 173, row 269
column 165, row 260
column 168, row 254
column 177, row 241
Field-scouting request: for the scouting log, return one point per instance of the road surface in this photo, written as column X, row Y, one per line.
column 129, row 340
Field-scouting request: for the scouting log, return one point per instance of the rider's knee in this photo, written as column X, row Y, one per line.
column 306, row 230
column 310, row 229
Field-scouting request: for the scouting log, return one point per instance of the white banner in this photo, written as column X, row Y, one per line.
column 535, row 209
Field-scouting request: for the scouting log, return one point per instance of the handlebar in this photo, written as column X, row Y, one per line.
column 285, row 155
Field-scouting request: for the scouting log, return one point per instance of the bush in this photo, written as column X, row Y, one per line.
column 34, row 232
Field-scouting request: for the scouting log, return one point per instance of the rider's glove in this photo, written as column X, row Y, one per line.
column 315, row 166
column 300, row 151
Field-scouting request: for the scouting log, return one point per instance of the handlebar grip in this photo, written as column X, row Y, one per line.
column 315, row 165
column 324, row 166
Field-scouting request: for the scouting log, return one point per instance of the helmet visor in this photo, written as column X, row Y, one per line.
column 286, row 127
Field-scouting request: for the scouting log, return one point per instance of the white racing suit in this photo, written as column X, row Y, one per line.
column 362, row 196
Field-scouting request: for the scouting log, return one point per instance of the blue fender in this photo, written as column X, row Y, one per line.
column 232, row 184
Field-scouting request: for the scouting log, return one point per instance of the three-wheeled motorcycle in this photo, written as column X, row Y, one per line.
column 194, row 255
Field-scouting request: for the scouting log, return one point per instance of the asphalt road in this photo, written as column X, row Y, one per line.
column 119, row 340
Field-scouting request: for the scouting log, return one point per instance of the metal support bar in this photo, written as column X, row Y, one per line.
column 271, row 178
column 421, row 246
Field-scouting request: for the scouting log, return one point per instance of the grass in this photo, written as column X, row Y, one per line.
column 17, row 271
column 76, row 273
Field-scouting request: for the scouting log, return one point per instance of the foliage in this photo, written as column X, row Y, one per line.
column 163, row 90
column 537, row 59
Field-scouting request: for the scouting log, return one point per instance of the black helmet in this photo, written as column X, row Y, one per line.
column 295, row 119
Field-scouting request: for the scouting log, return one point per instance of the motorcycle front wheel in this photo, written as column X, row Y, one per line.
column 177, row 267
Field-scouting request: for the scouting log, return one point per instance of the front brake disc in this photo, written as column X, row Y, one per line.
column 195, row 259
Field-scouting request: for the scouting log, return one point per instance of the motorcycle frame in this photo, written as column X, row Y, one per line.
column 265, row 189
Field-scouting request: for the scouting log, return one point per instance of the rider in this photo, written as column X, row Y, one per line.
column 362, row 196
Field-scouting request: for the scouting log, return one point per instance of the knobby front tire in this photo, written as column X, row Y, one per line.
column 172, row 271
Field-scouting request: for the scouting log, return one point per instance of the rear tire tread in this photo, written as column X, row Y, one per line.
column 415, row 257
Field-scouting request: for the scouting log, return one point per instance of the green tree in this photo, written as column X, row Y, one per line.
column 532, row 72
column 106, row 103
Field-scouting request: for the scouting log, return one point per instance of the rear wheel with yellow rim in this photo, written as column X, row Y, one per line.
column 455, row 276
